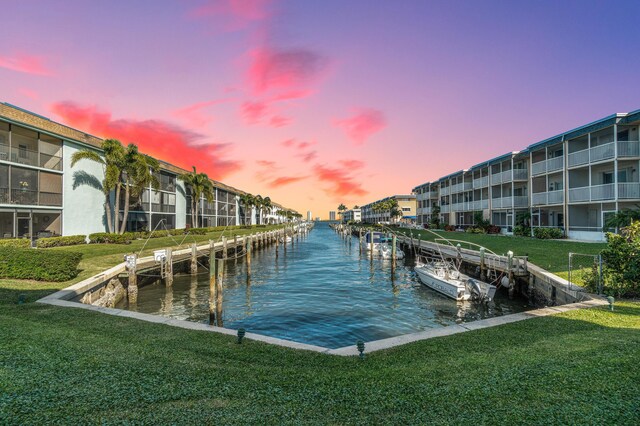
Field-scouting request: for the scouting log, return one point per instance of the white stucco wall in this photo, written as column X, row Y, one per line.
column 586, row 236
column 83, row 206
column 181, row 205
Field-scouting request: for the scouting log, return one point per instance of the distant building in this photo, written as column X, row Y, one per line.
column 317, row 218
column 406, row 204
column 332, row 215
column 354, row 215
column 308, row 215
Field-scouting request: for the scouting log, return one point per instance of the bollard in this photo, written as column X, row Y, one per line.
column 360, row 346
column 132, row 287
column 611, row 300
column 194, row 259
column 235, row 249
column 512, row 286
column 483, row 271
column 241, row 333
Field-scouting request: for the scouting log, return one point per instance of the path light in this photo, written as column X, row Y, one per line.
column 21, row 299
column 241, row 333
column 610, row 299
column 360, row 345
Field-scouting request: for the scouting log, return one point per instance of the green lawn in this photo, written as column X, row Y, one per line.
column 98, row 257
column 552, row 255
column 73, row 366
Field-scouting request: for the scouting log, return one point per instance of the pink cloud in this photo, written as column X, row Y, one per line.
column 28, row 64
column 285, row 180
column 157, row 138
column 308, row 156
column 194, row 114
column 279, row 121
column 362, row 124
column 253, row 112
column 233, row 15
column 266, row 163
column 342, row 184
column 28, row 93
column 352, row 164
column 288, row 70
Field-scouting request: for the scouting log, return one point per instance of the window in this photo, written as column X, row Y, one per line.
column 607, row 177
column 406, row 209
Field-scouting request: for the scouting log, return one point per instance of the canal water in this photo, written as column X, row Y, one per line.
column 323, row 292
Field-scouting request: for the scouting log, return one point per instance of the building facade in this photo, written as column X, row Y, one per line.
column 42, row 195
column 573, row 181
column 406, row 204
column 352, row 215
column 332, row 215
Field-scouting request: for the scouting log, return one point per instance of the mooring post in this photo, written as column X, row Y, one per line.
column 512, row 284
column 371, row 245
column 132, row 288
column 483, row 271
column 219, row 295
column 249, row 242
column 393, row 253
column 360, row 239
column 235, row 249
column 224, row 247
column 194, row 259
column 169, row 267
column 212, row 283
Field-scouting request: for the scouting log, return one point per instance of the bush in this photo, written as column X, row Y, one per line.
column 621, row 263
column 16, row 243
column 198, row 231
column 548, row 233
column 493, row 229
column 71, row 240
column 449, row 228
column 475, row 230
column 522, row 231
column 40, row 265
column 108, row 238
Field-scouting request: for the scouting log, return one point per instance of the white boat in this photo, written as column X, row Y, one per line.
column 377, row 239
column 385, row 250
column 286, row 239
column 444, row 278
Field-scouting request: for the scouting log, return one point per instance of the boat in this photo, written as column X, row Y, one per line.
column 377, row 240
column 444, row 277
column 385, row 250
column 286, row 239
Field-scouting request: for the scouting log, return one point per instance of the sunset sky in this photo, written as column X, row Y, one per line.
column 317, row 103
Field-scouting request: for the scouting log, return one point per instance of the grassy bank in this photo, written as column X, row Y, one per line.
column 98, row 257
column 72, row 366
column 552, row 255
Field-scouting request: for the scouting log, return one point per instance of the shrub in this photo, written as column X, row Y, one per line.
column 621, row 264
column 449, row 228
column 16, row 243
column 40, row 265
column 522, row 231
column 475, row 230
column 493, row 229
column 108, row 238
column 71, row 240
column 547, row 233
column 198, row 231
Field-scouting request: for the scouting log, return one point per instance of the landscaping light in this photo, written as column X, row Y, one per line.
column 21, row 299
column 610, row 299
column 241, row 333
column 360, row 346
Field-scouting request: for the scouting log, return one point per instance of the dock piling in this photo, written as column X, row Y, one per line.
column 219, row 295
column 194, row 259
column 132, row 288
column 169, row 267
column 212, row 283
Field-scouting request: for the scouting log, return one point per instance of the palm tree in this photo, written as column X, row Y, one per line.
column 266, row 205
column 111, row 162
column 259, row 202
column 200, row 186
column 139, row 171
column 249, row 201
column 341, row 209
column 356, row 207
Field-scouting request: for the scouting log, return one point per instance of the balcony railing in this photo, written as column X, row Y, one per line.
column 445, row 190
column 592, row 193
column 539, row 168
column 164, row 208
column 30, row 197
column 628, row 149
column 445, row 209
column 50, row 199
column 628, row 190
column 456, row 188
column 592, row 155
column 520, row 174
column 550, row 197
column 520, row 201
column 504, row 202
column 481, row 182
column 434, row 194
column 496, row 178
column 467, row 186
column 30, row 158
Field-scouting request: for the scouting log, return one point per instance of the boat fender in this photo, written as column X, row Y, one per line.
column 505, row 282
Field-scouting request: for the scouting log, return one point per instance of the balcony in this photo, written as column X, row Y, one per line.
column 592, row 193
column 629, row 190
column 456, row 188
column 467, row 186
column 593, row 155
column 445, row 209
column 30, row 197
column 481, row 182
column 445, row 190
column 520, row 174
column 434, row 195
column 496, row 178
column 545, row 198
column 521, row 201
column 629, row 149
column 164, row 208
column 501, row 203
column 30, row 158
column 547, row 166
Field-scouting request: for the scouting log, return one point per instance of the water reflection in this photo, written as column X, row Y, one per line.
column 321, row 290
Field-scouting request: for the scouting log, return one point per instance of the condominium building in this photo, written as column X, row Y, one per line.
column 406, row 205
column 41, row 194
column 572, row 181
column 332, row 215
column 352, row 215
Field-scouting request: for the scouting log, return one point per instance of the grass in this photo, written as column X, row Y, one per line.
column 98, row 257
column 552, row 255
column 73, row 366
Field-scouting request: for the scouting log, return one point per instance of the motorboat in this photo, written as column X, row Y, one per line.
column 377, row 238
column 386, row 250
column 443, row 277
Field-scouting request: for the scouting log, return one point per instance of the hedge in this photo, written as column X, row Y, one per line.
column 40, row 265
column 71, row 240
column 16, row 242
column 548, row 233
column 108, row 238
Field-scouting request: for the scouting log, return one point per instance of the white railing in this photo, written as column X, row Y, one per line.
column 628, row 149
column 539, row 198
column 434, row 194
column 445, row 209
column 468, row 186
column 481, row 182
column 556, row 163
column 484, row 204
column 496, row 178
column 503, row 202
column 520, row 201
column 603, row 192
column 629, row 190
column 445, row 190
column 539, row 168
column 555, row 197
column 578, row 157
column 579, row 194
column 426, row 210
column 603, row 152
column 521, row 174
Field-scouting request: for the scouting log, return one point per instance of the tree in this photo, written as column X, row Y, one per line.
column 200, row 186
column 341, row 209
column 356, row 207
column 435, row 217
column 138, row 172
column 622, row 218
column 621, row 263
column 249, row 202
column 266, row 205
column 110, row 162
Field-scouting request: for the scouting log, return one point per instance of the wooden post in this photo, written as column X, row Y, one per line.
column 512, row 284
column 249, row 242
column 371, row 245
column 219, row 295
column 224, row 247
column 483, row 268
column 393, row 253
column 212, row 283
column 284, row 240
column 169, row 267
column 194, row 259
column 132, row 288
column 360, row 239
column 235, row 249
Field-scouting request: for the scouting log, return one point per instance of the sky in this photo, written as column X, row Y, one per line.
column 317, row 103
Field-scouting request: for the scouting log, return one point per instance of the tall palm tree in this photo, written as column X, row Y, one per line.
column 248, row 201
column 200, row 186
column 139, row 171
column 259, row 201
column 266, row 205
column 111, row 161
